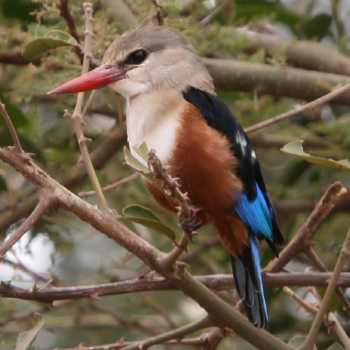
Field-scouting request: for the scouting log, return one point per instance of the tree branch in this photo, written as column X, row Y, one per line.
column 105, row 222
column 15, row 58
column 173, row 334
column 110, row 144
column 113, row 185
column 300, row 53
column 46, row 200
column 278, row 81
column 217, row 283
column 301, row 109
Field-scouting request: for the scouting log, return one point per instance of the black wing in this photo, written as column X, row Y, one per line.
column 219, row 117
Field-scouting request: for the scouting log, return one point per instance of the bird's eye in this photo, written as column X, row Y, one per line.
column 136, row 57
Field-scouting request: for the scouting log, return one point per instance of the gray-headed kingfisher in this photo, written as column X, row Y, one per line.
column 172, row 107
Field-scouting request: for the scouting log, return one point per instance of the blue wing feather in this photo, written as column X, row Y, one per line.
column 256, row 258
column 256, row 214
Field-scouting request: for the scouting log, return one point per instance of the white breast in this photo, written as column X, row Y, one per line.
column 153, row 119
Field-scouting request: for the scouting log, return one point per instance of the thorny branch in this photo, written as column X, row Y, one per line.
column 187, row 213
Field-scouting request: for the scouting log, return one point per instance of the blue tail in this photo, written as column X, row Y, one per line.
column 249, row 283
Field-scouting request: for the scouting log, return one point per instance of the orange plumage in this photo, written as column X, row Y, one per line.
column 204, row 164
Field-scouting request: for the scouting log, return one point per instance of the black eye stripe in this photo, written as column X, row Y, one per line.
column 136, row 57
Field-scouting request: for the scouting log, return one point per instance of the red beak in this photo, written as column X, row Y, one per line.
column 97, row 78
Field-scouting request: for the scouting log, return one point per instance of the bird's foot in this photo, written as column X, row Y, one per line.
column 190, row 221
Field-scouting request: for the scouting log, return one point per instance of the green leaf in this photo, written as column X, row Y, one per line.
column 143, row 151
column 295, row 148
column 134, row 163
column 144, row 216
column 52, row 40
column 26, row 339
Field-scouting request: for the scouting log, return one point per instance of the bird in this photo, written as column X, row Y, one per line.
column 172, row 107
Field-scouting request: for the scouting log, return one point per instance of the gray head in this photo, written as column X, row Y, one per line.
column 147, row 58
column 156, row 57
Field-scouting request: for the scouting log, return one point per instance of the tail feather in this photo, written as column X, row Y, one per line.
column 249, row 283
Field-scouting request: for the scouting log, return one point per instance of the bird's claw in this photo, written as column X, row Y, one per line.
column 190, row 221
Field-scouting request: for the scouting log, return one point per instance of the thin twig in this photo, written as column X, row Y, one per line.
column 312, row 255
column 121, row 344
column 77, row 113
column 174, row 334
column 46, row 200
column 88, row 103
column 302, row 238
column 11, row 127
column 67, row 16
column 113, row 185
column 304, row 304
column 296, row 112
column 26, row 270
column 338, row 329
column 218, row 8
column 161, row 13
column 128, row 322
column 332, row 322
column 344, row 254
column 176, row 252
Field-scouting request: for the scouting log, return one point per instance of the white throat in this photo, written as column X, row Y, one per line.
column 153, row 118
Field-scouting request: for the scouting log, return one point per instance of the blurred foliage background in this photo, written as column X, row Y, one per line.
column 72, row 253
